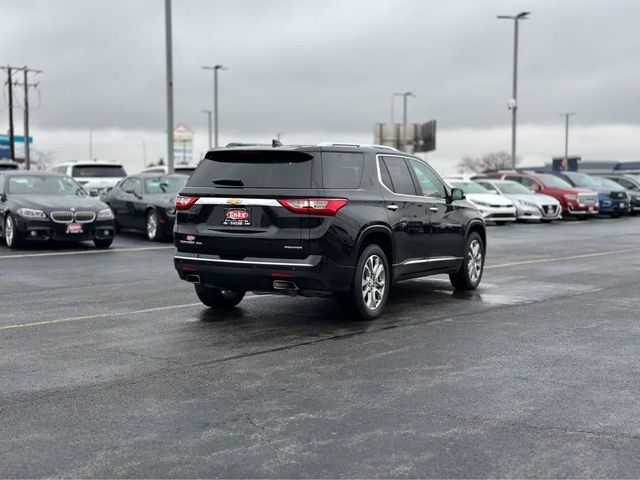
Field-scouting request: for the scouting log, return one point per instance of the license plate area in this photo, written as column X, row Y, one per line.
column 74, row 228
column 237, row 217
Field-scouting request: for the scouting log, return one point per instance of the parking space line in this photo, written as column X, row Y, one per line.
column 85, row 252
column 110, row 315
column 558, row 259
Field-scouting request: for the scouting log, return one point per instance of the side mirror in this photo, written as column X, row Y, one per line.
column 457, row 194
column 535, row 187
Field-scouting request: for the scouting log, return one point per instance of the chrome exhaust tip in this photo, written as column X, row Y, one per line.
column 191, row 278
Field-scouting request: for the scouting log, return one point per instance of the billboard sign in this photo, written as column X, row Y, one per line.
column 18, row 143
column 182, row 144
column 419, row 137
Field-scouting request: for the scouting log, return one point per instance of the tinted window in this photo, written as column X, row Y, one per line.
column 400, row 175
column 429, row 182
column 1, row 184
column 516, row 179
column 88, row 171
column 342, row 170
column 44, row 185
column 384, row 175
column 132, row 185
column 527, row 182
column 164, row 184
column 254, row 169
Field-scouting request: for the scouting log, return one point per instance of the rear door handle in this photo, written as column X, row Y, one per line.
column 433, row 209
column 392, row 207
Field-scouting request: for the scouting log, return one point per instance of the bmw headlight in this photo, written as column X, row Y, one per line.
column 31, row 213
column 105, row 214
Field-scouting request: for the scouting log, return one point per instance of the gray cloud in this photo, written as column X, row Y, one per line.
column 325, row 65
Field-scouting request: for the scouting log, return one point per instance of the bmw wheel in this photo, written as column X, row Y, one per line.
column 10, row 235
column 371, row 283
column 470, row 273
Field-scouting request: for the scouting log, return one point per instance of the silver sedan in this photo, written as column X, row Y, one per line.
column 529, row 205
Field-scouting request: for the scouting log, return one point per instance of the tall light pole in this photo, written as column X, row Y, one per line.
column 215, row 69
column 208, row 112
column 169, row 60
column 566, row 133
column 144, row 147
column 91, row 143
column 513, row 102
column 404, row 96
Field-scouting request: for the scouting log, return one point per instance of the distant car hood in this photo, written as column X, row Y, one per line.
column 50, row 203
column 489, row 198
column 538, row 199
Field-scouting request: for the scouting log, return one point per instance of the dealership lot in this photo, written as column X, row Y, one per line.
column 112, row 367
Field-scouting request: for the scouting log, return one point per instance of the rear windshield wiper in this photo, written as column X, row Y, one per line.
column 229, row 181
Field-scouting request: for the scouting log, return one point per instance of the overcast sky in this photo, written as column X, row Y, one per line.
column 326, row 69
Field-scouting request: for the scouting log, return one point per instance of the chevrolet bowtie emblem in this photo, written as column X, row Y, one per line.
column 234, row 201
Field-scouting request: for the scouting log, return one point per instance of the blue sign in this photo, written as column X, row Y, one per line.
column 4, row 139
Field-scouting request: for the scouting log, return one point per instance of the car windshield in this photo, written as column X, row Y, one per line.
column 469, row 187
column 164, row 184
column 605, row 182
column 513, row 188
column 582, row 180
column 554, row 182
column 98, row 171
column 44, row 185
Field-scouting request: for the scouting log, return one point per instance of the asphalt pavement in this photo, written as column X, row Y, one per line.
column 111, row 367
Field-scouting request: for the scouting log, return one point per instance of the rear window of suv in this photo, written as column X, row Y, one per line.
column 342, row 170
column 254, row 169
column 94, row 171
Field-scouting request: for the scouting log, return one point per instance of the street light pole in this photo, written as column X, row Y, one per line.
column 208, row 112
column 566, row 133
column 90, row 143
column 169, row 60
column 404, row 96
column 215, row 69
column 513, row 103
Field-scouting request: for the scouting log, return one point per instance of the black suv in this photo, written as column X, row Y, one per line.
column 343, row 220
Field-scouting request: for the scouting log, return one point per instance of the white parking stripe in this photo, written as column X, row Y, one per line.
column 114, row 314
column 85, row 252
column 558, row 259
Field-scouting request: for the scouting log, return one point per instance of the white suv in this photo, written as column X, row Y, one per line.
column 96, row 177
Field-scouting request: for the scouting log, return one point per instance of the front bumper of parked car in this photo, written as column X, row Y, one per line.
column 46, row 229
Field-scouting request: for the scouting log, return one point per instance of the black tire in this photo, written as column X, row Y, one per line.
column 13, row 239
column 370, row 304
column 219, row 299
column 465, row 278
column 103, row 242
column 153, row 234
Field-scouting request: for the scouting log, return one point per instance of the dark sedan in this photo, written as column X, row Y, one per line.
column 49, row 206
column 146, row 203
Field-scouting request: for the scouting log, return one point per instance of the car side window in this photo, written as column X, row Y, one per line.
column 527, row 182
column 626, row 184
column 1, row 184
column 400, row 175
column 429, row 182
column 514, row 178
column 132, row 185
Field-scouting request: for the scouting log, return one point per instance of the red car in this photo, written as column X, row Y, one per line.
column 579, row 202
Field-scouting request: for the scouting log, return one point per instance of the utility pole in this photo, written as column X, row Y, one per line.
column 9, row 83
column 169, row 59
column 208, row 112
column 215, row 69
column 26, row 70
column 566, row 133
column 513, row 102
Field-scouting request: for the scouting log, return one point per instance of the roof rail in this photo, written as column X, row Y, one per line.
column 240, row 144
column 357, row 145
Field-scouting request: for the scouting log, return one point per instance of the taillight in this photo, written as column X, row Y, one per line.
column 314, row 206
column 185, row 203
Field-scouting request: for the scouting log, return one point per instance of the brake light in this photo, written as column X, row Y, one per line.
column 185, row 203
column 314, row 206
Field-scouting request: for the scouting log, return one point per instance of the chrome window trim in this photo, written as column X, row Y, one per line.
column 244, row 262
column 250, row 202
column 378, row 155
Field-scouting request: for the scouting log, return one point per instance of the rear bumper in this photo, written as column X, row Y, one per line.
column 314, row 275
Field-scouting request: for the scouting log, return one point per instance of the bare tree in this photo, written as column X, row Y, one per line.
column 42, row 160
column 486, row 163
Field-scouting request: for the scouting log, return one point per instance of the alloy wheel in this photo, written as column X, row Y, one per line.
column 8, row 231
column 152, row 226
column 474, row 261
column 373, row 282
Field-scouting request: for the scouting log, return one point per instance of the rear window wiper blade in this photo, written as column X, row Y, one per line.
column 229, row 181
